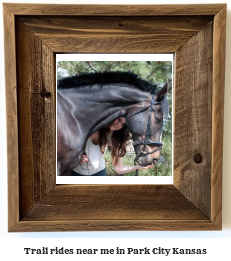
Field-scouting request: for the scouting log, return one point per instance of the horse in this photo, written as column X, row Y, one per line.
column 89, row 102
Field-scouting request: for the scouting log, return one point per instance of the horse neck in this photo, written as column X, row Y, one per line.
column 102, row 104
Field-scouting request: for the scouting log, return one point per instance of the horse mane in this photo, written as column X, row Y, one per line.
column 107, row 78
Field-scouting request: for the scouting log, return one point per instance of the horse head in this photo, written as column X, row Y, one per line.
column 146, row 126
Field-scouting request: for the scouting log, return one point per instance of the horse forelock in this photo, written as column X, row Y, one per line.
column 107, row 78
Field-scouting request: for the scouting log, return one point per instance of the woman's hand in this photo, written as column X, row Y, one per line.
column 84, row 158
column 141, row 167
column 122, row 169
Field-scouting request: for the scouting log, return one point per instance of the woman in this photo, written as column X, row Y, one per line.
column 93, row 164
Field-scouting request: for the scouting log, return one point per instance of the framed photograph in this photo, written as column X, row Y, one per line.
column 34, row 36
column 83, row 72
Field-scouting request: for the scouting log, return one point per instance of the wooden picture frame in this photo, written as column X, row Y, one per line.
column 34, row 33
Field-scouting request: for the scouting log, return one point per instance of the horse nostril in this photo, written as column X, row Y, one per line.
column 154, row 161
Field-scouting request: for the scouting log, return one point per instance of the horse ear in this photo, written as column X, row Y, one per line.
column 161, row 93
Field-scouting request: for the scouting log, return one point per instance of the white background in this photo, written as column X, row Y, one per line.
column 217, row 243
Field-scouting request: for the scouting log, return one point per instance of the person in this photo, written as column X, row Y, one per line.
column 115, row 135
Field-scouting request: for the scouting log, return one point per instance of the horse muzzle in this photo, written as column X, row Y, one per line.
column 148, row 155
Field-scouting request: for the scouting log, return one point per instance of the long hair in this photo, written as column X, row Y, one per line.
column 118, row 141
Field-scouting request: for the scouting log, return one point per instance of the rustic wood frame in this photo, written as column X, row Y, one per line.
column 33, row 34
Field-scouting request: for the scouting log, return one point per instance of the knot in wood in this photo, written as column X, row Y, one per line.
column 45, row 94
column 198, row 158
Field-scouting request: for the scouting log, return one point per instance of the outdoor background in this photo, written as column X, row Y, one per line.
column 156, row 72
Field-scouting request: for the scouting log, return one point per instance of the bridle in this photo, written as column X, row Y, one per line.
column 147, row 140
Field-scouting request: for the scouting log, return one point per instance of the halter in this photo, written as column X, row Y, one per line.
column 147, row 141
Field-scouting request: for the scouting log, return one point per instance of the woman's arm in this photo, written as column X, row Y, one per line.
column 123, row 169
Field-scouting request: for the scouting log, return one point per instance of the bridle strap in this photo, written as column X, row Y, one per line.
column 137, row 112
column 149, row 122
column 146, row 141
column 143, row 153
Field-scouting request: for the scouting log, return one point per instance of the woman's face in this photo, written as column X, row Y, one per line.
column 118, row 124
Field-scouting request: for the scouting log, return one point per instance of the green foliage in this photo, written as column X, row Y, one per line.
column 162, row 168
column 158, row 72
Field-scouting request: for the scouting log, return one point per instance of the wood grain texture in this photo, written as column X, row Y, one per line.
column 114, row 34
column 194, row 201
column 114, row 225
column 114, row 202
column 12, row 120
column 111, row 207
column 36, row 105
column 218, row 114
column 193, row 127
column 115, row 10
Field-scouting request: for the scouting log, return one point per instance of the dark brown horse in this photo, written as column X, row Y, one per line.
column 88, row 102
